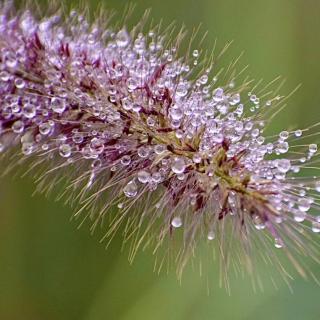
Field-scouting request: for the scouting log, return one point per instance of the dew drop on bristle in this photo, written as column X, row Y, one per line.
column 27, row 148
column 58, row 105
column 29, row 111
column 126, row 160
column 18, row 126
column 211, row 235
column 300, row 216
column 143, row 152
column 304, row 204
column 178, row 165
column 283, row 165
column 278, row 243
column 313, row 148
column 65, row 150
column 195, row 53
column 181, row 90
column 176, row 113
column 44, row 128
column 160, row 148
column 298, row 133
column 196, row 158
column 131, row 189
column 143, row 176
column 123, row 38
column 19, row 83
column 258, row 222
column 176, row 222
column 316, row 225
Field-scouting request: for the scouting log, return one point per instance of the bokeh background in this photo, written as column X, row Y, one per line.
column 51, row 270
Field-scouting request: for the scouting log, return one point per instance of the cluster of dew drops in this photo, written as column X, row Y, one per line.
column 95, row 81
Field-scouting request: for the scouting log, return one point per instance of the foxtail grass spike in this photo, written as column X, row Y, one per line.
column 147, row 135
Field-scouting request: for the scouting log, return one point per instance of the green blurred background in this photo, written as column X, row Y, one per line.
column 51, row 270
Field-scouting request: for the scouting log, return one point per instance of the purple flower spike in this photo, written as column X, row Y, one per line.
column 149, row 139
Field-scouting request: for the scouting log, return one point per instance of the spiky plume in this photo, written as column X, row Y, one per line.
column 153, row 140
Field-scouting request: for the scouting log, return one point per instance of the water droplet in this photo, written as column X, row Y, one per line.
column 255, row 133
column 181, row 90
column 304, row 204
column 96, row 146
column 316, row 225
column 253, row 98
column 44, row 128
column 299, row 216
column 178, row 165
column 58, row 105
column 126, row 160
column 156, row 177
column 258, row 222
column 218, row 95
column 65, row 150
column 4, row 76
column 143, row 176
column 176, row 113
column 18, row 126
column 278, row 243
column 211, row 235
column 160, row 148
column 298, row 133
column 91, row 38
column 143, row 152
column 196, row 158
column 179, row 133
column 313, row 148
column 131, row 189
column 235, row 99
column 231, row 84
column 126, row 104
column 77, row 138
column 284, row 135
column 136, row 107
column 283, row 147
column 132, row 84
column 29, row 110
column 96, row 164
column 176, row 222
column 151, row 121
column 19, row 83
column 303, row 159
column 181, row 176
column 27, row 148
column 283, row 165
column 195, row 53
column 123, row 38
